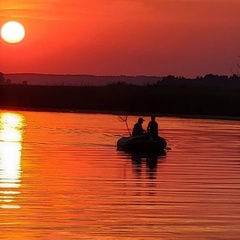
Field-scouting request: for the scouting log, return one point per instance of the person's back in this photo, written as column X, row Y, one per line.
column 153, row 127
column 138, row 129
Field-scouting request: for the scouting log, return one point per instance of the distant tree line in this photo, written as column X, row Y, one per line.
column 208, row 80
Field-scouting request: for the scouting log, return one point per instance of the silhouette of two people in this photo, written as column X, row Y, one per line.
column 152, row 128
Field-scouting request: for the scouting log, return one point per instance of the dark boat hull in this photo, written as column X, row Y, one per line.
column 143, row 143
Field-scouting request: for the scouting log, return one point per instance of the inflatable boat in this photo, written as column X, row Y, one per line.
column 141, row 143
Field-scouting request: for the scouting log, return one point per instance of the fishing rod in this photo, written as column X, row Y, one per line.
column 124, row 119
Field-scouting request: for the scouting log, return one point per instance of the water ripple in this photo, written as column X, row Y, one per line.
column 72, row 183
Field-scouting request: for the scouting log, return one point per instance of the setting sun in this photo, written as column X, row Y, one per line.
column 12, row 32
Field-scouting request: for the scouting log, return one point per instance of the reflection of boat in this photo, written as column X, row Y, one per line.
column 141, row 143
column 151, row 158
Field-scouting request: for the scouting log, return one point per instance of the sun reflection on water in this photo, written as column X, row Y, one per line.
column 11, row 132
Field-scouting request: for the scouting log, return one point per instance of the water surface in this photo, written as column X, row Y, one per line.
column 61, row 177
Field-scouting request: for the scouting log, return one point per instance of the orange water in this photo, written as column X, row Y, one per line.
column 62, row 178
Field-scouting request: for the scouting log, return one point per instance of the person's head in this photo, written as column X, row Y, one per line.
column 140, row 120
column 153, row 118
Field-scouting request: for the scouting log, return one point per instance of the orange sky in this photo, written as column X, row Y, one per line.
column 123, row 37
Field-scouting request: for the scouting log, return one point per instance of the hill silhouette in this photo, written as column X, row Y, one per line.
column 77, row 80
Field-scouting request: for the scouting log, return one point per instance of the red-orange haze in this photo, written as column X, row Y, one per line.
column 123, row 37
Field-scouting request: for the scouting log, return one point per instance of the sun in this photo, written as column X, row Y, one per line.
column 12, row 32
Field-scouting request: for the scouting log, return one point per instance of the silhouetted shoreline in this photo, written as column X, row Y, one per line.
column 143, row 114
column 123, row 99
column 123, row 114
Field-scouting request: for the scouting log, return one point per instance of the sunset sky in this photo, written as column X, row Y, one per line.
column 123, row 37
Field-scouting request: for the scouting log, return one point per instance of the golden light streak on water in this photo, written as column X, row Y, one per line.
column 11, row 131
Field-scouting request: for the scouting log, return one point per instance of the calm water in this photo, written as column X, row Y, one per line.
column 62, row 178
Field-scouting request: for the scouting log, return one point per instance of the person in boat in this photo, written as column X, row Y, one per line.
column 152, row 127
column 138, row 129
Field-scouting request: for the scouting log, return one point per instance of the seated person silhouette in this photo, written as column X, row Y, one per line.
column 138, row 129
column 152, row 127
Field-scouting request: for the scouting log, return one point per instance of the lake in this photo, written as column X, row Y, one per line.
column 61, row 177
